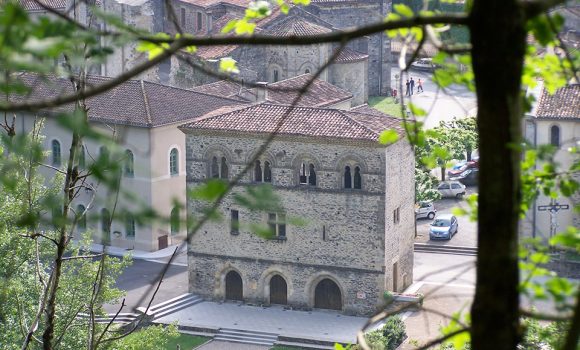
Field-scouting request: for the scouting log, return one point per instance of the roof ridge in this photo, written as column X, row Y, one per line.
column 343, row 113
column 190, row 90
column 146, row 101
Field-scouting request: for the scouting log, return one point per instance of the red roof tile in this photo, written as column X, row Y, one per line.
column 347, row 55
column 564, row 104
column 135, row 102
column 299, row 121
column 296, row 26
column 32, row 5
column 319, row 94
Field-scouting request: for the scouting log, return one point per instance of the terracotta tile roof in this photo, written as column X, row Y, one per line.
column 135, row 102
column 347, row 55
column 319, row 94
column 428, row 49
column 564, row 104
column 299, row 121
column 225, row 88
column 209, row 3
column 215, row 52
column 296, row 26
column 32, row 5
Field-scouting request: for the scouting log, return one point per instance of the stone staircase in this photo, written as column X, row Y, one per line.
column 122, row 318
column 246, row 337
column 445, row 249
column 172, row 305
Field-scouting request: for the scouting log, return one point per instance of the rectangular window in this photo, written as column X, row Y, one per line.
column 235, row 222
column 183, row 18
column 396, row 216
column 277, row 225
column 199, row 21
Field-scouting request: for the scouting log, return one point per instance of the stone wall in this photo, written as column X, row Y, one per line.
column 351, row 77
column 350, row 14
column 343, row 235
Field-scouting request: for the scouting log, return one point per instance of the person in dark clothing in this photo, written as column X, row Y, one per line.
column 412, row 84
column 407, row 91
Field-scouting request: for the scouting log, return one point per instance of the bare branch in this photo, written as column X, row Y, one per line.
column 544, row 317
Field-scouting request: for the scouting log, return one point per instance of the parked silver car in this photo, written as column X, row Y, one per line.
column 451, row 189
column 425, row 210
column 443, row 227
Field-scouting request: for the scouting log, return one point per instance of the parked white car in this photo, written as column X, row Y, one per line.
column 451, row 189
column 425, row 210
column 425, row 64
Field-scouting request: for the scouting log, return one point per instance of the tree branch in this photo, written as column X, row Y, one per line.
column 573, row 336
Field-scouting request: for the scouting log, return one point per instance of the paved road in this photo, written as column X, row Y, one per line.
column 137, row 278
column 467, row 234
column 454, row 101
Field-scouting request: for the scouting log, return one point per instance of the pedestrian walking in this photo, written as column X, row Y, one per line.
column 412, row 83
column 419, row 86
column 407, row 91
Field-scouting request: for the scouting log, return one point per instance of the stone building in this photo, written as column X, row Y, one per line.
column 142, row 117
column 554, row 120
column 354, row 196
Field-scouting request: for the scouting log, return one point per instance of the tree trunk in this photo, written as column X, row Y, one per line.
column 468, row 152
column 443, row 168
column 498, row 38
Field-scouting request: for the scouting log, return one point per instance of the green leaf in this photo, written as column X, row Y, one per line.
column 229, row 65
column 388, row 137
column 403, row 10
column 209, row 191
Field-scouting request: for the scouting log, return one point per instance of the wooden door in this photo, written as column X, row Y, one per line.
column 163, row 242
column 327, row 295
column 234, row 286
column 278, row 290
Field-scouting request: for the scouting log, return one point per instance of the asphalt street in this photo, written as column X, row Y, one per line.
column 441, row 104
column 138, row 278
column 467, row 232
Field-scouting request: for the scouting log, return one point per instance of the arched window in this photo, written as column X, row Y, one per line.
column 555, row 135
column 173, row 162
column 357, row 178
column 267, row 172
column 262, row 174
column 258, row 171
column 275, row 75
column 312, row 176
column 215, row 168
column 106, row 226
column 174, row 221
column 81, row 218
column 82, row 163
column 56, row 155
column 129, row 164
column 307, row 174
column 199, row 21
column 130, row 226
column 347, row 177
column 307, row 71
column 224, row 169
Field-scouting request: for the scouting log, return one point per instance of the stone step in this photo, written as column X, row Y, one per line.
column 247, row 337
column 121, row 318
column 445, row 249
column 295, row 344
column 174, row 305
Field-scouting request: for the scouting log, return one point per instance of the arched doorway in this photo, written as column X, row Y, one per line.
column 234, row 286
column 327, row 295
column 278, row 290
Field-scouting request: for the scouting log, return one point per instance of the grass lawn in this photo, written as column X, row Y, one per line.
column 186, row 341
column 386, row 105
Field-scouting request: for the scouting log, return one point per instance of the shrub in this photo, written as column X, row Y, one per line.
column 389, row 337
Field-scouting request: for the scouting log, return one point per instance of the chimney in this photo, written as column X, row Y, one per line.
column 261, row 91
